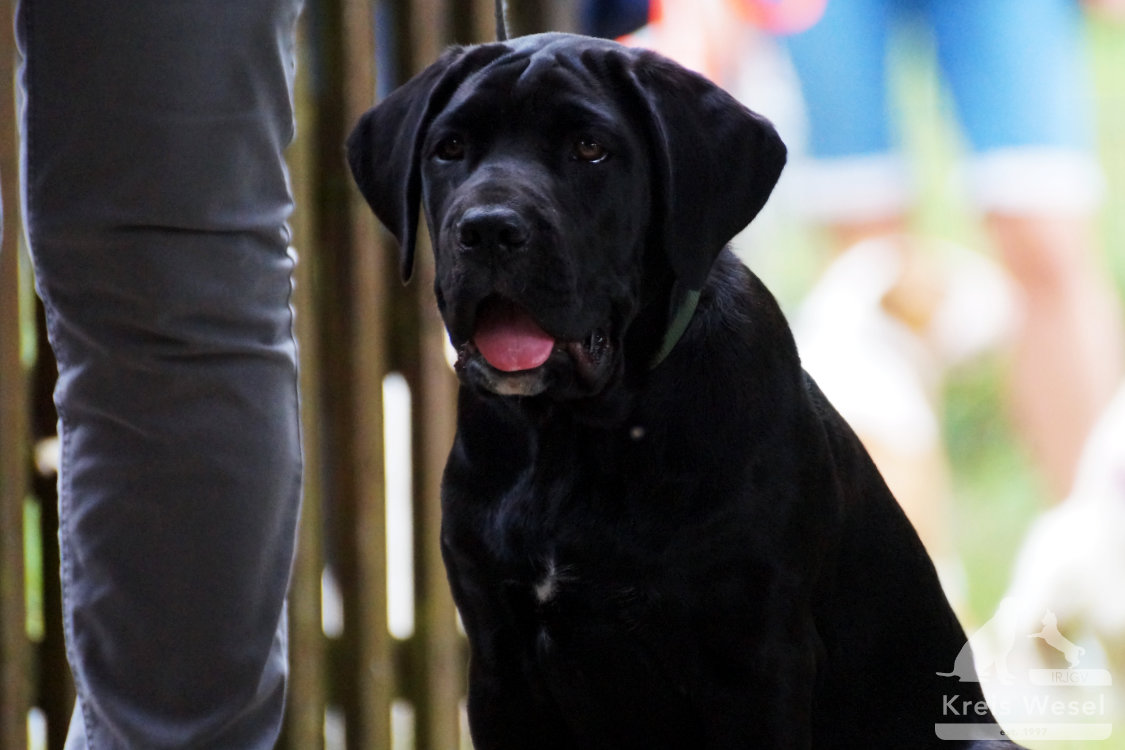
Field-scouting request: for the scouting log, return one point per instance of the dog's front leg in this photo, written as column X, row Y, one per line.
column 506, row 711
column 771, row 705
column 504, row 718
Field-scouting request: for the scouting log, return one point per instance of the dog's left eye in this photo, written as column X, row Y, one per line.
column 589, row 150
column 450, row 148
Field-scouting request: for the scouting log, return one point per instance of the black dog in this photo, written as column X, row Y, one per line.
column 658, row 532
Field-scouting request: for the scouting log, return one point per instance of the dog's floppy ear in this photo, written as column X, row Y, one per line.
column 715, row 161
column 385, row 148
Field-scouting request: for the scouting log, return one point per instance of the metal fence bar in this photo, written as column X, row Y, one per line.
column 439, row 670
column 374, row 648
column 438, row 642
column 304, row 727
column 15, row 648
column 54, row 694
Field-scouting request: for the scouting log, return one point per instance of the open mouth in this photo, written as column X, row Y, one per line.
column 516, row 348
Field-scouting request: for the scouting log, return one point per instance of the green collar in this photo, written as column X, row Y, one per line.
column 689, row 300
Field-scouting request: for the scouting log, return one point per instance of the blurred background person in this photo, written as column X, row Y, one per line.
column 1021, row 92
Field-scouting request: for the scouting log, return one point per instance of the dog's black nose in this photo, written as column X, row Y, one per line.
column 492, row 227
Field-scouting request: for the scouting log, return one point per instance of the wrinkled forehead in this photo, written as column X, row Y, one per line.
column 559, row 81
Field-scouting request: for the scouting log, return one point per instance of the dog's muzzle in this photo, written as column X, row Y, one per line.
column 511, row 355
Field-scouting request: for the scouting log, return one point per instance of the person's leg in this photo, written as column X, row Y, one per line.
column 850, row 177
column 156, row 201
column 1016, row 68
column 1068, row 355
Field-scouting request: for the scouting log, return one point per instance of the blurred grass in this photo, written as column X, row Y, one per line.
column 997, row 490
column 1109, row 76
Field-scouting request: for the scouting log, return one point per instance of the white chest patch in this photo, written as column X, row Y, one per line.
column 548, row 585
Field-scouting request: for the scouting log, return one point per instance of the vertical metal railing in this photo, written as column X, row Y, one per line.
column 15, row 453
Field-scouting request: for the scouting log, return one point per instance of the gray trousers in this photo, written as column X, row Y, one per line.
column 156, row 201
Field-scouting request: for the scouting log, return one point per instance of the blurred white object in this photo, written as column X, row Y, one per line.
column 887, row 318
column 878, row 331
column 1072, row 560
column 1064, row 613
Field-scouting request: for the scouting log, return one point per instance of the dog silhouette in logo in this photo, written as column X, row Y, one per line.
column 1053, row 638
column 991, row 643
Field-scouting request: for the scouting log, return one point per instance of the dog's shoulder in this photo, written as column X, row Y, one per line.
column 735, row 382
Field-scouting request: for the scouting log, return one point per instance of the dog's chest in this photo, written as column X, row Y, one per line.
column 565, row 558
column 550, row 543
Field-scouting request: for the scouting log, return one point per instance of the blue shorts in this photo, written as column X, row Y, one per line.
column 1016, row 72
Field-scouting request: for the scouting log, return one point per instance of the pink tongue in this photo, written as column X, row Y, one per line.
column 510, row 340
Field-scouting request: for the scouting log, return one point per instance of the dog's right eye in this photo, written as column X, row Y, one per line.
column 450, row 148
column 589, row 150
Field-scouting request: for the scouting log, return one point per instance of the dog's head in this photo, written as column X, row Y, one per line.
column 568, row 184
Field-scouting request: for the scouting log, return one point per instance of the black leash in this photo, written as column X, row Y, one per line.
column 501, row 24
